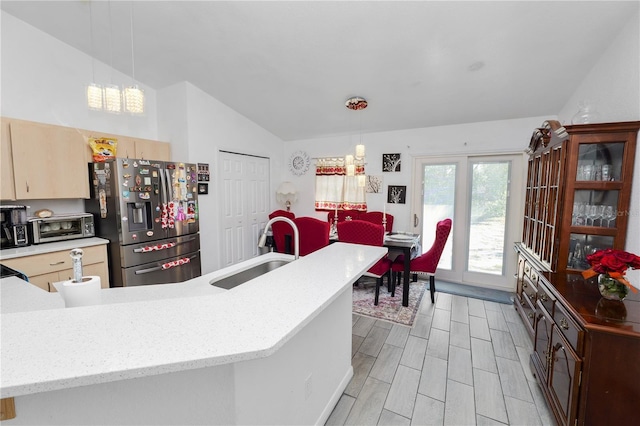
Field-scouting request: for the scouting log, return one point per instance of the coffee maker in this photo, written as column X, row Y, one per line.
column 14, row 226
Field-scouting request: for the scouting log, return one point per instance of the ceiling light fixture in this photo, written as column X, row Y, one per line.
column 133, row 96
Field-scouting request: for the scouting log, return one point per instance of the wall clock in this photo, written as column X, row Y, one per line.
column 299, row 163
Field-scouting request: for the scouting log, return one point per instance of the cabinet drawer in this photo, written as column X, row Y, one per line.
column 527, row 312
column 545, row 297
column 530, row 272
column 569, row 329
column 40, row 264
column 529, row 290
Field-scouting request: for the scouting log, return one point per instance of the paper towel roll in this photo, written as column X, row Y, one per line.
column 83, row 293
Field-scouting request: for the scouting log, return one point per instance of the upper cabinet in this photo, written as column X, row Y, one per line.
column 44, row 161
column 7, row 187
column 129, row 147
column 48, row 162
column 578, row 191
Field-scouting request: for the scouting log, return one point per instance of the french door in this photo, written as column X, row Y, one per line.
column 482, row 195
column 244, row 205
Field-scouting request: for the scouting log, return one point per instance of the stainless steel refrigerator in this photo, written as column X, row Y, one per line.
column 148, row 210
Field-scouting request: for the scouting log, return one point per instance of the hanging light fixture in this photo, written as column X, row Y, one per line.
column 357, row 103
column 94, row 90
column 112, row 94
column 133, row 96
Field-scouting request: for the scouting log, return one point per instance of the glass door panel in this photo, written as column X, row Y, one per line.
column 438, row 202
column 600, row 161
column 582, row 245
column 489, row 191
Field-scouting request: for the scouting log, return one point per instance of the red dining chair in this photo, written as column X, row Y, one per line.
column 376, row 217
column 343, row 215
column 282, row 232
column 427, row 262
column 363, row 232
column 313, row 234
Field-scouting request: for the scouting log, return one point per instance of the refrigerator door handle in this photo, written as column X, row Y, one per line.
column 163, row 187
column 185, row 260
column 164, row 246
column 168, row 194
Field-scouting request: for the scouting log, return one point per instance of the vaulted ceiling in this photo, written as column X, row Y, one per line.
column 290, row 65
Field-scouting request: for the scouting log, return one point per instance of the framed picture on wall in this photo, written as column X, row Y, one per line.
column 390, row 162
column 397, row 194
column 374, row 184
column 203, row 188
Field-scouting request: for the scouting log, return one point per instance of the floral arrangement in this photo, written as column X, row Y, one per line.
column 613, row 263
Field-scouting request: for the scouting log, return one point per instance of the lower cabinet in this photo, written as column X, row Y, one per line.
column 45, row 269
column 585, row 348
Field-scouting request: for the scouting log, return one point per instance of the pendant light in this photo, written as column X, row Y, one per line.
column 94, row 90
column 355, row 164
column 133, row 96
column 112, row 94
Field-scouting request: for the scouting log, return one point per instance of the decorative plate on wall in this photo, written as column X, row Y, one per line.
column 299, row 163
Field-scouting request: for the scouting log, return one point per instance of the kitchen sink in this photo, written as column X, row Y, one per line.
column 248, row 274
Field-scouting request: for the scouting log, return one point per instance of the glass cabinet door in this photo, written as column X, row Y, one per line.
column 598, row 190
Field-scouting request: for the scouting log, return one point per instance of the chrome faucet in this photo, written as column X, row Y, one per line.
column 296, row 236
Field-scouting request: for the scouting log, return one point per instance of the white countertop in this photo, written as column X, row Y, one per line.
column 156, row 329
column 50, row 247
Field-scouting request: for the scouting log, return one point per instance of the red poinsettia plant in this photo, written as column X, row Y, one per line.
column 614, row 263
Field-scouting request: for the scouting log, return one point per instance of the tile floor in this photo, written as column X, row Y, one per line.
column 464, row 362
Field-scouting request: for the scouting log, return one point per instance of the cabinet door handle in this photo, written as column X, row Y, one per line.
column 564, row 324
column 57, row 263
column 27, row 185
column 530, row 315
column 524, row 285
column 544, row 297
column 415, row 220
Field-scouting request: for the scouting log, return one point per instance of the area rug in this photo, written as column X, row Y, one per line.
column 389, row 308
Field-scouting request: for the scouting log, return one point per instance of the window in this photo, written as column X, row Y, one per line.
column 336, row 190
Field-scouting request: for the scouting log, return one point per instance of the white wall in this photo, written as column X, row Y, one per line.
column 198, row 126
column 44, row 80
column 487, row 137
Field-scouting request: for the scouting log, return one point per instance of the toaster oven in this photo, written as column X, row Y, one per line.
column 61, row 227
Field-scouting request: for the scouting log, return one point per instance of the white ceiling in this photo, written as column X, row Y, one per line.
column 290, row 65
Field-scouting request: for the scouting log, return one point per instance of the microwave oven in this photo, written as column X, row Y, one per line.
column 61, row 227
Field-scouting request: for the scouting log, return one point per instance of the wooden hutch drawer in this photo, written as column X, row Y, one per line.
column 569, row 329
column 545, row 297
column 529, row 290
column 530, row 271
column 528, row 313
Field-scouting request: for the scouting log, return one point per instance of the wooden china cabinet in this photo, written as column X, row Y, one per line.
column 584, row 348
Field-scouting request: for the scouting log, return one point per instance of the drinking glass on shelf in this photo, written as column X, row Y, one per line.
column 609, row 214
column 597, row 172
column 580, row 215
column 587, row 172
column 591, row 212
column 600, row 214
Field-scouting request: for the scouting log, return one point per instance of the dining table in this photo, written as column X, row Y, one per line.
column 404, row 243
column 409, row 245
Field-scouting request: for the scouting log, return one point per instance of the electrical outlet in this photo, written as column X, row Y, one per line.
column 308, row 387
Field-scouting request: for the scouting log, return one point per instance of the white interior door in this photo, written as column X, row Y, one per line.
column 482, row 195
column 244, row 190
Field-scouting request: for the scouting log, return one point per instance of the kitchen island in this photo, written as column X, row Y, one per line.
column 275, row 350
